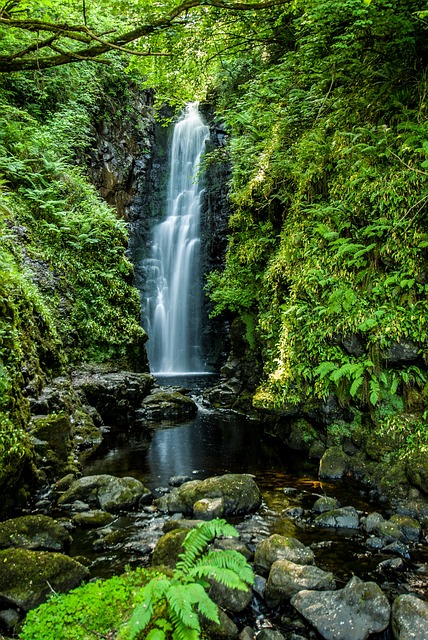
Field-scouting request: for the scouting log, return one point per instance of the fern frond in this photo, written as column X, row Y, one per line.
column 229, row 559
column 197, row 540
column 181, row 631
column 221, row 574
column 140, row 617
column 208, row 608
column 181, row 599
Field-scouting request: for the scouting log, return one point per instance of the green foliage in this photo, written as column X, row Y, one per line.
column 97, row 608
column 171, row 605
column 328, row 235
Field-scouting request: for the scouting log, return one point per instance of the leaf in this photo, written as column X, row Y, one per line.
column 324, row 368
column 156, row 634
column 355, row 386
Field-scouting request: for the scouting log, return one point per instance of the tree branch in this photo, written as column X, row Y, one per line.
column 24, row 61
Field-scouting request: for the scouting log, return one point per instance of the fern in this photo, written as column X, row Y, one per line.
column 171, row 605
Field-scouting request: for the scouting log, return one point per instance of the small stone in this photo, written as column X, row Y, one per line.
column 409, row 526
column 343, row 518
column 177, row 481
column 393, row 564
column 9, row 618
column 374, row 543
column 325, row 503
column 372, row 521
column 278, row 547
column 398, row 549
column 409, row 618
column 208, row 508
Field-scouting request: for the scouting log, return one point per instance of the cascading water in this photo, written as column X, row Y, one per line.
column 173, row 289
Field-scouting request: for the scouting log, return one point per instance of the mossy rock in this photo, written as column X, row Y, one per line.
column 34, row 532
column 105, row 492
column 169, row 547
column 302, row 435
column 28, row 577
column 278, row 547
column 417, row 470
column 164, row 405
column 334, row 463
column 92, row 519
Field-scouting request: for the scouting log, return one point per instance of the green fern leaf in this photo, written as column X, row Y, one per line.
column 220, row 574
column 156, row 634
column 230, row 559
column 180, row 599
column 197, row 540
column 181, row 631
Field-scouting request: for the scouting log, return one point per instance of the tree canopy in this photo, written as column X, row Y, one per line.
column 40, row 35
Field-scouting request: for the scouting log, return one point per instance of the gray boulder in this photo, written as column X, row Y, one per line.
column 238, row 491
column 166, row 405
column 105, row 492
column 410, row 527
column 234, row 600
column 345, row 517
column 28, row 577
column 92, row 519
column 278, row 547
column 409, row 618
column 287, row 578
column 34, row 532
column 334, row 463
column 325, row 503
column 351, row 613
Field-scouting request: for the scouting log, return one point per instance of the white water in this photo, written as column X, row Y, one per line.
column 174, row 289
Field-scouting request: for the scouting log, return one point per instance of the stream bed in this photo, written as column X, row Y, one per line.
column 216, row 442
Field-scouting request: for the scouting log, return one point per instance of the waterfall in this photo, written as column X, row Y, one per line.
column 174, row 289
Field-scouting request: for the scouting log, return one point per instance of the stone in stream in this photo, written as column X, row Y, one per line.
column 238, row 490
column 34, row 532
column 410, row 527
column 226, row 629
column 334, row 464
column 208, row 509
column 166, row 405
column 105, row 492
column 345, row 517
column 287, row 578
column 278, row 547
column 27, row 578
column 92, row 519
column 351, row 613
column 325, row 503
column 409, row 618
column 233, row 600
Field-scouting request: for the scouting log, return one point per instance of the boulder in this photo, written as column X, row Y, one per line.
column 234, row 600
column 27, row 578
column 372, row 521
column 334, row 464
column 410, row 527
column 34, row 532
column 417, row 470
column 345, row 517
column 167, row 405
column 208, row 509
column 351, row 613
column 278, row 547
column 226, row 629
column 287, row 578
column 409, row 618
column 92, row 519
column 238, row 491
column 325, row 503
column 105, row 492
column 169, row 547
column 116, row 396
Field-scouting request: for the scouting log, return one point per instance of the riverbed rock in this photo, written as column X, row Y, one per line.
column 115, row 395
column 287, row 578
column 351, row 613
column 334, row 464
column 410, row 527
column 372, row 521
column 278, row 547
column 169, row 547
column 92, row 519
column 208, row 508
column 389, row 531
column 233, row 600
column 167, row 405
column 226, row 629
column 105, row 492
column 345, row 517
column 28, row 577
column 409, row 618
column 238, row 490
column 34, row 532
column 325, row 503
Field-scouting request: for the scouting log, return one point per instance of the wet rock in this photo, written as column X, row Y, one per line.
column 401, row 352
column 351, row 613
column 169, row 547
column 410, row 527
column 372, row 521
column 177, row 481
column 325, row 503
column 167, row 405
column 270, row 634
column 397, row 549
column 110, row 540
column 105, row 492
column 389, row 531
column 375, row 543
column 233, row 600
column 247, row 633
column 28, row 577
column 345, row 517
column 301, row 435
column 334, row 464
column 208, row 509
column 409, row 618
column 64, row 483
column 92, row 519
column 180, row 523
column 226, row 629
column 391, row 565
column 233, row 544
column 287, row 578
column 293, row 512
column 79, row 506
column 239, row 492
column 417, row 470
column 116, row 396
column 278, row 547
column 34, row 532
column 259, row 585
column 52, row 436
column 9, row 618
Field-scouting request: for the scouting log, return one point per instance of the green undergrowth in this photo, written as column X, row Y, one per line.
column 328, row 244
column 66, row 292
column 150, row 604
